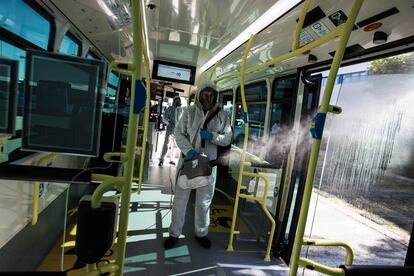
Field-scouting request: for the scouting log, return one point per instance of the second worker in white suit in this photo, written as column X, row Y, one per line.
column 171, row 116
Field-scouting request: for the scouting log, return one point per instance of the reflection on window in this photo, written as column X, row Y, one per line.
column 256, row 95
column 284, row 88
column 5, row 97
column 19, row 18
column 12, row 52
column 112, row 88
column 257, row 114
column 61, row 104
column 113, row 79
column 254, row 92
column 279, row 113
column 69, row 46
column 227, row 102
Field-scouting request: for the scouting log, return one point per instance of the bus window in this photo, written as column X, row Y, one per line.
column 282, row 92
column 15, row 53
column 111, row 92
column 226, row 102
column 256, row 95
column 21, row 19
column 70, row 45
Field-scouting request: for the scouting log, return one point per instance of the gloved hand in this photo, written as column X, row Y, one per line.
column 191, row 154
column 206, row 135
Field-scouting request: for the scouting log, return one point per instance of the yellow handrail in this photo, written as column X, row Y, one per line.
column 334, row 271
column 103, row 269
column 322, row 40
column 146, row 119
column 349, row 257
column 35, row 213
column 299, row 26
column 344, row 32
column 246, row 137
column 2, row 139
column 123, row 183
column 213, row 70
column 347, row 29
column 262, row 202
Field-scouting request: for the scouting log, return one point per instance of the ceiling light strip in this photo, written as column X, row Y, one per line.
column 271, row 15
column 144, row 18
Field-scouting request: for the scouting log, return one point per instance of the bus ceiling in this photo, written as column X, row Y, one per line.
column 197, row 33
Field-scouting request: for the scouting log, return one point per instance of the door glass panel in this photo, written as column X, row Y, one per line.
column 365, row 174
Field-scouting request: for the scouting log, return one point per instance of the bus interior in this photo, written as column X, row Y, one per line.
column 318, row 178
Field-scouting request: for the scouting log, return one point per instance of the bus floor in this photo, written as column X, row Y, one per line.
column 149, row 219
column 148, row 227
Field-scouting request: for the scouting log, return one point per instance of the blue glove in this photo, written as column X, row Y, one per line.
column 206, row 135
column 191, row 154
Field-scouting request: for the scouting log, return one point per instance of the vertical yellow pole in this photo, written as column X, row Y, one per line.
column 146, row 120
column 36, row 191
column 246, row 137
column 131, row 137
column 317, row 142
column 299, row 26
column 2, row 139
column 213, row 70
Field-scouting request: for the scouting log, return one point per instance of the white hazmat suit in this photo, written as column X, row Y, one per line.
column 187, row 135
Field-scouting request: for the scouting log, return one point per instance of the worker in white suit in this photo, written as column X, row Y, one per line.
column 171, row 115
column 189, row 135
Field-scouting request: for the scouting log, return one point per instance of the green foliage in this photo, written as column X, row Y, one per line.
column 401, row 64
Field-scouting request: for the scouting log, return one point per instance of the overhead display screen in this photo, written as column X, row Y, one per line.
column 8, row 92
column 174, row 72
column 63, row 103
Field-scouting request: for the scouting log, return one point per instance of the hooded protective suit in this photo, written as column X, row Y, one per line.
column 187, row 135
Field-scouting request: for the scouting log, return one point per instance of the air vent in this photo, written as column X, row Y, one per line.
column 378, row 17
column 350, row 50
column 313, row 16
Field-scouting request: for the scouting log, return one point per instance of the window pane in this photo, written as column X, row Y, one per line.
column 283, row 88
column 254, row 92
column 280, row 114
column 90, row 56
column 12, row 52
column 63, row 98
column 113, row 79
column 257, row 114
column 19, row 18
column 69, row 46
column 4, row 97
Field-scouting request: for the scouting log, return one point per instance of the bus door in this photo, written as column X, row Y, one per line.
column 288, row 208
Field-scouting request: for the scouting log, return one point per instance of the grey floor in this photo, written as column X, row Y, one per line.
column 148, row 227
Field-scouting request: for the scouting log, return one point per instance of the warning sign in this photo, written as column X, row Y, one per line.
column 305, row 38
column 338, row 18
column 220, row 219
